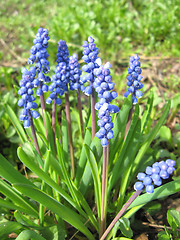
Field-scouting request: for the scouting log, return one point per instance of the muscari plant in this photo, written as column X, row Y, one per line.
column 118, row 151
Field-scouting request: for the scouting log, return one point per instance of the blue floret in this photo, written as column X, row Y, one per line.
column 154, row 175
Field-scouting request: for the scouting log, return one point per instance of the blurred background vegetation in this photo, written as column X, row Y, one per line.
column 121, row 28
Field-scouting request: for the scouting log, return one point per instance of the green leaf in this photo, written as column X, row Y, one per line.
column 25, row 221
column 118, row 167
column 17, row 199
column 50, row 132
column 173, row 218
column 165, row 133
column 95, row 173
column 163, row 236
column 8, row 172
column 8, row 227
column 29, row 162
column 62, row 211
column 87, row 176
column 119, row 126
column 150, row 138
column 65, row 142
column 160, row 192
column 55, row 232
column 147, row 112
column 128, row 162
column 124, row 225
column 82, row 160
column 29, row 234
column 16, row 123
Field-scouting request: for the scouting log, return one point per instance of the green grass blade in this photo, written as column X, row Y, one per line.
column 29, row 162
column 16, row 198
column 25, row 221
column 29, row 234
column 62, row 211
column 128, row 160
column 8, row 227
column 50, row 132
column 87, row 176
column 150, row 138
column 95, row 173
column 76, row 194
column 117, row 169
column 8, row 172
column 15, row 121
column 119, row 127
column 160, row 192
column 147, row 112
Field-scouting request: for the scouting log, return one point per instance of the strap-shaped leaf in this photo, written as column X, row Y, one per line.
column 8, row 227
column 150, row 138
column 15, row 121
column 64, row 212
column 29, row 234
column 17, row 199
column 118, row 167
column 160, row 192
column 95, row 173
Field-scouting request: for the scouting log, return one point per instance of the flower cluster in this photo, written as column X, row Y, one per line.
column 103, row 86
column 62, row 74
column 27, row 99
column 75, row 73
column 155, row 174
column 90, row 53
column 39, row 55
column 134, row 79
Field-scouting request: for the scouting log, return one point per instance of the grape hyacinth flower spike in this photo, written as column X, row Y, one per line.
column 39, row 56
column 152, row 176
column 59, row 86
column 90, row 53
column 134, row 79
column 134, row 85
column 76, row 84
column 104, row 86
column 27, row 101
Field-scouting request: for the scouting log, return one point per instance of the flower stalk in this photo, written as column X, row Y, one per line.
column 121, row 212
column 80, row 112
column 104, row 189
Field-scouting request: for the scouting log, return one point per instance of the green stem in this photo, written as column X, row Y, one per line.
column 68, row 117
column 43, row 108
column 54, row 123
column 121, row 212
column 104, row 189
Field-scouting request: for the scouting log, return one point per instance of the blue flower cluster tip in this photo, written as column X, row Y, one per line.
column 104, row 86
column 75, row 74
column 39, row 56
column 134, row 79
column 27, row 99
column 154, row 175
column 62, row 74
column 90, row 53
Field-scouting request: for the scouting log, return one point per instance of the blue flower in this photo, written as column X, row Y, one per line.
column 134, row 79
column 103, row 86
column 90, row 53
column 154, row 175
column 27, row 99
column 39, row 56
column 62, row 75
column 75, row 74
